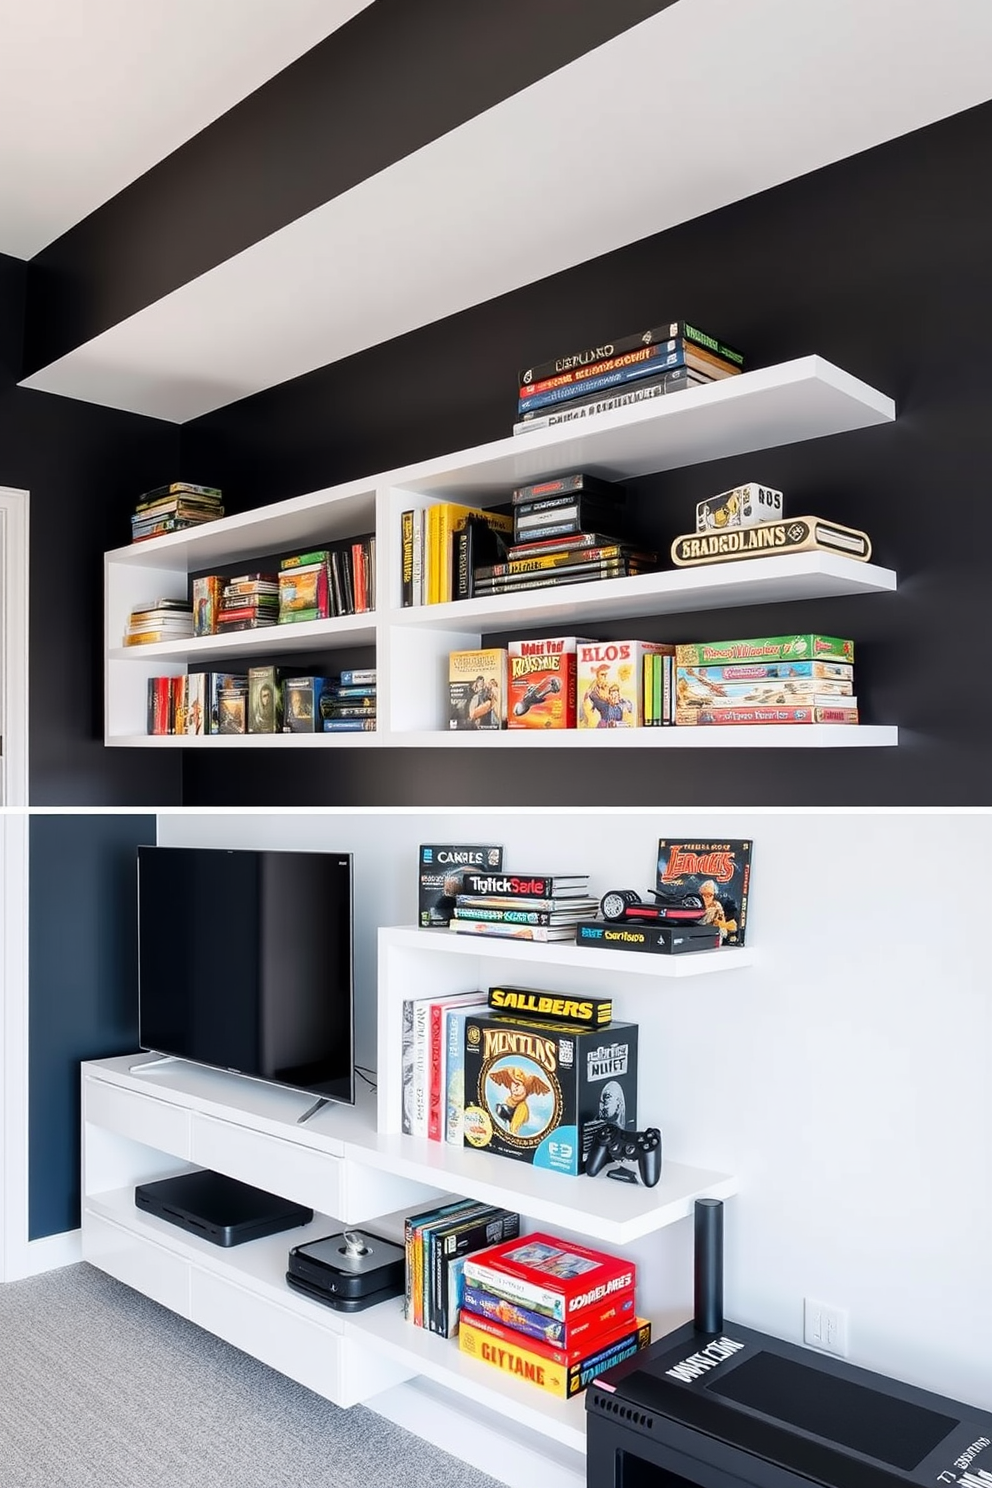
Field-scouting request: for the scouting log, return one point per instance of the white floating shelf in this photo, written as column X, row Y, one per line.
column 717, row 586
column 567, row 954
column 276, row 640
column 369, row 740
column 729, row 736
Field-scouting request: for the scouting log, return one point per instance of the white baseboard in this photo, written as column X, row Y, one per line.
column 48, row 1254
column 489, row 1442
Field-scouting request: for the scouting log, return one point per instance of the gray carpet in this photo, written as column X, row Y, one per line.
column 102, row 1388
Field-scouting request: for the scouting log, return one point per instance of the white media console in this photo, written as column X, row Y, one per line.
column 144, row 1118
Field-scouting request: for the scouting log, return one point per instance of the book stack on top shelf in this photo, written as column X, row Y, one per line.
column 649, row 364
column 171, row 508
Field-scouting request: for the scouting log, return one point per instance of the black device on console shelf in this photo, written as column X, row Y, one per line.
column 218, row 1208
column 347, row 1271
column 612, row 1143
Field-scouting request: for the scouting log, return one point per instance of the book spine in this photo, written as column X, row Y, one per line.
column 406, row 559
column 576, row 376
column 305, row 560
column 505, row 916
column 613, row 568
column 665, row 332
column 349, row 726
column 454, row 1075
column 461, row 578
column 421, row 1030
column 358, row 677
column 568, row 485
column 406, row 1067
column 434, row 1072
column 545, row 561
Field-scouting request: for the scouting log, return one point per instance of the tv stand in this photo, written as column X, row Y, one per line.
column 318, row 1105
column 153, row 1062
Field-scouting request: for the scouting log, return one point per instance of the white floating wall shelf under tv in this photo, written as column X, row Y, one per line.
column 800, row 400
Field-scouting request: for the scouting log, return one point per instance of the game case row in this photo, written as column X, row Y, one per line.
column 263, row 700
column 436, row 1243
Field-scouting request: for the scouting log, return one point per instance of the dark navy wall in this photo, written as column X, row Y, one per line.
column 84, row 467
column 82, row 949
column 879, row 263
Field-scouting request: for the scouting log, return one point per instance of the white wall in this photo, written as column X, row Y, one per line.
column 845, row 1077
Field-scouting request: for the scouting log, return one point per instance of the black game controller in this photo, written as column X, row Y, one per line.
column 612, row 1144
column 536, row 693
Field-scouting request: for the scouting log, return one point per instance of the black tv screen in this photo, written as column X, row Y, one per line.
column 245, row 963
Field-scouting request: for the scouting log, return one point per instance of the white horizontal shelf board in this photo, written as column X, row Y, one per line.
column 557, row 953
column 308, row 635
column 368, row 740
column 613, row 1212
column 384, row 1327
column 803, row 399
column 314, row 519
column 729, row 736
column 750, row 581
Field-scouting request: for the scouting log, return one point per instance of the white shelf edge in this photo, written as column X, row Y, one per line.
column 345, row 630
column 566, row 953
column 733, row 736
column 749, row 581
column 365, row 740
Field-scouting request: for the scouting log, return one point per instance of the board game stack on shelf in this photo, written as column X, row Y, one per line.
column 550, row 1312
column 521, row 906
column 348, row 702
column 632, row 369
column 161, row 620
column 437, row 1243
column 793, row 679
column 173, row 507
column 249, row 601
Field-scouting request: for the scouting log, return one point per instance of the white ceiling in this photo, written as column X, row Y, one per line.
column 706, row 103
column 95, row 92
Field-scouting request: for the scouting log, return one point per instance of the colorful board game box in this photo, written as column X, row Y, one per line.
column 477, row 689
column 610, row 682
column 537, row 1091
column 609, row 1315
column 718, row 872
column 743, row 506
column 769, row 671
column 301, row 705
column 541, row 683
column 518, row 1358
column 556, row 1277
column 692, row 691
column 207, row 593
column 443, row 866
column 264, row 700
column 842, row 711
column 764, row 648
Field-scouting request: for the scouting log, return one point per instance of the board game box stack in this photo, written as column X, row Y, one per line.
column 631, row 369
column 539, row 1084
column 305, row 587
column 161, row 620
column 569, row 529
column 521, row 906
column 173, row 507
column 550, row 1312
column 249, row 601
column 793, row 679
column 437, row 1244
column 348, row 702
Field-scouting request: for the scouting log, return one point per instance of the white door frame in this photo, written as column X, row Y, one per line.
column 14, row 1044
column 14, row 644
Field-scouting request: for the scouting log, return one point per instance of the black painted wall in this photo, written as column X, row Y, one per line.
column 879, row 263
column 83, row 466
column 82, row 950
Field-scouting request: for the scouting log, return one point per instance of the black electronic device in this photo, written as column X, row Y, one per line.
column 737, row 1406
column 612, row 1143
column 218, row 1208
column 618, row 905
column 348, row 1271
column 245, row 963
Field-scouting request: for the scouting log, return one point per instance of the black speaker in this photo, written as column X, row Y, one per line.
column 708, row 1266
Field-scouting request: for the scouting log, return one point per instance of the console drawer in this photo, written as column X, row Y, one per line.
column 141, row 1117
column 309, row 1352
column 138, row 1262
column 285, row 1168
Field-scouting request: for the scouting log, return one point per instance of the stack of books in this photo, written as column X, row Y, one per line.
column 793, row 679
column 347, row 702
column 632, row 369
column 568, row 529
column 163, row 620
column 550, row 1312
column 173, row 507
column 522, row 906
column 437, row 1243
column 249, row 602
column 442, row 544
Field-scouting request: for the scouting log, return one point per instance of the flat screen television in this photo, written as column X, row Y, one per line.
column 245, row 963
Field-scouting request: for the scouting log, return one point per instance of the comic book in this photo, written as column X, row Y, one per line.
column 719, row 872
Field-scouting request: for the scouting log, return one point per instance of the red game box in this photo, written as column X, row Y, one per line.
column 551, row 1275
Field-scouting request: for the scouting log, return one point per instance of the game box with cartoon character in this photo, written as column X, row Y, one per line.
column 718, row 872
column 536, row 1091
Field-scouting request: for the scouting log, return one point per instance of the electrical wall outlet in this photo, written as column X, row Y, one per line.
column 825, row 1326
